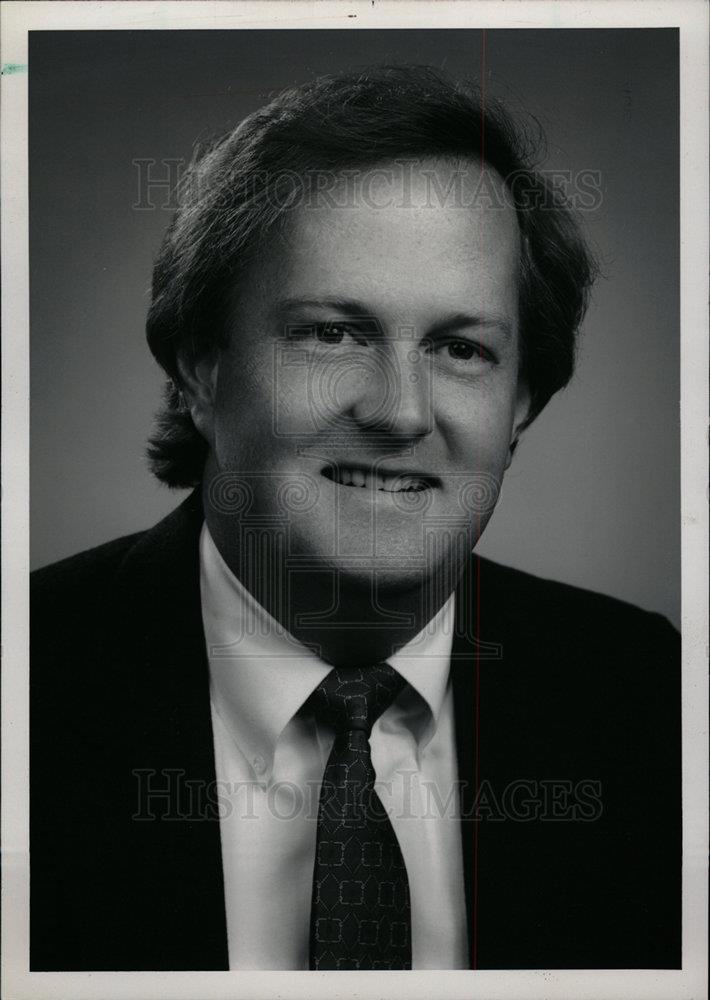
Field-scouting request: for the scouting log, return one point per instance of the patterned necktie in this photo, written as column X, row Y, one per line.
column 360, row 911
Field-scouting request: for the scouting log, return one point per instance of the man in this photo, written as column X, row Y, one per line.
column 297, row 725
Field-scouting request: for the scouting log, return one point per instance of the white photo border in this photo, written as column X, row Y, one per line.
column 18, row 18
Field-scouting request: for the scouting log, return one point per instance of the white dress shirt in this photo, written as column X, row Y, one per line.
column 269, row 766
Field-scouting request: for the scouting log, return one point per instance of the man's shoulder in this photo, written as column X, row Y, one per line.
column 71, row 601
column 92, row 570
column 121, row 584
column 85, row 571
column 537, row 604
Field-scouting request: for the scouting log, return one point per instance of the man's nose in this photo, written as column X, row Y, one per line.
column 396, row 400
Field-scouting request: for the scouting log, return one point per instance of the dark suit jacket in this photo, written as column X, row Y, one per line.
column 565, row 686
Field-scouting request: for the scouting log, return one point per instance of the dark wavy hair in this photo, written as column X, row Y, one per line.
column 241, row 187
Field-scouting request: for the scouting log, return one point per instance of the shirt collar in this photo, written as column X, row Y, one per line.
column 260, row 675
column 424, row 663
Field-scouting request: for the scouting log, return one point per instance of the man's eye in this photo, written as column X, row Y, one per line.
column 332, row 333
column 324, row 333
column 363, row 332
column 466, row 350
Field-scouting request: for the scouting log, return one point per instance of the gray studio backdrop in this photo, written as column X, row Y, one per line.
column 593, row 495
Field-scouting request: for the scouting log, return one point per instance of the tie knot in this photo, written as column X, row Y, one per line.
column 355, row 697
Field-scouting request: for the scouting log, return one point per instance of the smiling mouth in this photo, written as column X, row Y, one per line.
column 379, row 479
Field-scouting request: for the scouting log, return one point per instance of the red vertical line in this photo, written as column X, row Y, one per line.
column 476, row 750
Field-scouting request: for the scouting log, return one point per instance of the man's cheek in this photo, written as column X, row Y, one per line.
column 479, row 439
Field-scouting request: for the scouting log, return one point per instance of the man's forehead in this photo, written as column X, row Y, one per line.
column 441, row 209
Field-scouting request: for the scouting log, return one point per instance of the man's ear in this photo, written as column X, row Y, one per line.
column 520, row 417
column 199, row 386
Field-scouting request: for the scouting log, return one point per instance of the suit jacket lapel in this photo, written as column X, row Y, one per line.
column 477, row 671
column 465, row 667
column 169, row 743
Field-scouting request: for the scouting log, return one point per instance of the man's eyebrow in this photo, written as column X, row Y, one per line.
column 348, row 307
column 462, row 320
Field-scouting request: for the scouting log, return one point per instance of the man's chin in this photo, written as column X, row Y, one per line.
column 385, row 581
column 384, row 566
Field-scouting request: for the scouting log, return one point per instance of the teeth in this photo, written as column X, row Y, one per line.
column 387, row 484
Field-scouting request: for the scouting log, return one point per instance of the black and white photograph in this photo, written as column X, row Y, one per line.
column 364, row 529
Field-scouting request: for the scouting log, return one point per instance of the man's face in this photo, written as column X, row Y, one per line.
column 369, row 391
